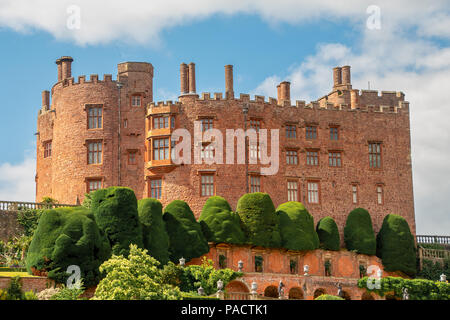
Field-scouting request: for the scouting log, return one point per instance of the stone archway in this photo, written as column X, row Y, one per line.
column 367, row 296
column 296, row 293
column 319, row 292
column 236, row 286
column 271, row 291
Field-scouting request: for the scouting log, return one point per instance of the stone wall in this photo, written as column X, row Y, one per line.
column 9, row 227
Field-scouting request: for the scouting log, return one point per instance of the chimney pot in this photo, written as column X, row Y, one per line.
column 229, row 91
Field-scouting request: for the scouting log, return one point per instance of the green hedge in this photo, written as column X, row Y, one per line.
column 115, row 212
column 328, row 297
column 396, row 246
column 297, row 227
column 185, row 233
column 64, row 237
column 259, row 220
column 220, row 223
column 328, row 233
column 154, row 234
column 358, row 232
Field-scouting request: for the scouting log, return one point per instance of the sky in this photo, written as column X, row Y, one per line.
column 401, row 45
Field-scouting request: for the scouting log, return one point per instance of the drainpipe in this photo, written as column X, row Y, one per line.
column 245, row 111
column 119, row 86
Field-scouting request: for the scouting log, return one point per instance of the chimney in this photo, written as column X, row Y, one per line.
column 64, row 68
column 284, row 92
column 337, row 76
column 346, row 80
column 229, row 92
column 191, row 74
column 184, row 78
column 45, row 100
column 354, row 99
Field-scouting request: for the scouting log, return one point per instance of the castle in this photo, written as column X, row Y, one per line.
column 348, row 149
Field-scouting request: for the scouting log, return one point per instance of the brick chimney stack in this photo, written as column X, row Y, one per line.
column 284, row 92
column 337, row 76
column 64, row 67
column 346, row 79
column 229, row 91
column 191, row 74
column 45, row 100
column 184, row 78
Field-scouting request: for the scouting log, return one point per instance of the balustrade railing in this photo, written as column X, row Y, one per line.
column 19, row 205
column 425, row 239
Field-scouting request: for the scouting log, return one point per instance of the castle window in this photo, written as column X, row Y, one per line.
column 293, row 266
column 95, row 152
column 48, row 149
column 95, row 118
column 94, row 184
column 311, row 132
column 375, row 155
column 207, row 124
column 125, row 123
column 291, row 157
column 255, row 151
column 313, row 192
column 312, row 158
column 207, row 185
column 334, row 159
column 155, row 188
column 132, row 157
column 161, row 149
column 380, row 194
column 334, row 133
column 207, row 152
column 258, row 264
column 255, row 183
column 354, row 193
column 292, row 190
column 160, row 122
column 172, row 122
column 255, row 124
column 136, row 101
column 291, row 131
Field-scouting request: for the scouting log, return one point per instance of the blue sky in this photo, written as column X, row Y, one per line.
column 266, row 41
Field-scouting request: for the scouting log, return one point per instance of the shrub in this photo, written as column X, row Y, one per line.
column 432, row 270
column 328, row 297
column 358, row 232
column 115, row 212
column 222, row 224
column 65, row 293
column 14, row 291
column 185, row 234
column 297, row 227
column 29, row 219
column 395, row 245
column 259, row 221
column 30, row 295
column 3, row 294
column 154, row 234
column 328, row 233
column 64, row 237
column 136, row 277
column 47, row 293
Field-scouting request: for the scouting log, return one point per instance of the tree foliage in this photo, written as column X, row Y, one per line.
column 358, row 232
column 328, row 233
column 259, row 220
column 223, row 225
column 297, row 227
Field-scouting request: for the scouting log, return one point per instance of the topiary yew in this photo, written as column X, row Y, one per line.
column 259, row 220
column 358, row 232
column 223, row 225
column 115, row 212
column 185, row 233
column 154, row 234
column 64, row 237
column 297, row 227
column 328, row 233
column 395, row 245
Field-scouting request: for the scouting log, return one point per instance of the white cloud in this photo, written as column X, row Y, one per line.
column 17, row 180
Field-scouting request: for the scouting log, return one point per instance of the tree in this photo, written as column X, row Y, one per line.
column 64, row 237
column 185, row 233
column 358, row 232
column 395, row 245
column 297, row 227
column 154, row 234
column 223, row 225
column 115, row 212
column 136, row 277
column 328, row 234
column 259, row 220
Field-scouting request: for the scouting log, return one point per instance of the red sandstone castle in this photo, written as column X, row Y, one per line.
column 348, row 149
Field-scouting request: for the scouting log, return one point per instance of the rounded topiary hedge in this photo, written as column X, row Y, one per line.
column 395, row 245
column 358, row 232
column 220, row 223
column 259, row 220
column 328, row 233
column 64, row 237
column 185, row 233
column 328, row 297
column 297, row 227
column 115, row 212
column 154, row 234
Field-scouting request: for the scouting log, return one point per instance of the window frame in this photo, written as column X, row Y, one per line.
column 292, row 157
column 335, row 161
column 311, row 132
column 334, row 136
column 97, row 118
column 293, row 191
column 207, row 184
column 160, row 147
column 136, row 95
column 97, row 152
column 317, row 192
column 93, row 180
column 158, row 187
column 378, row 187
column 291, row 131
column 377, row 154
column 316, row 157
column 255, row 178
column 47, row 146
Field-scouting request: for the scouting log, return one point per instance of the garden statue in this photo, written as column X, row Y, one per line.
column 340, row 292
column 405, row 294
column 281, row 289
